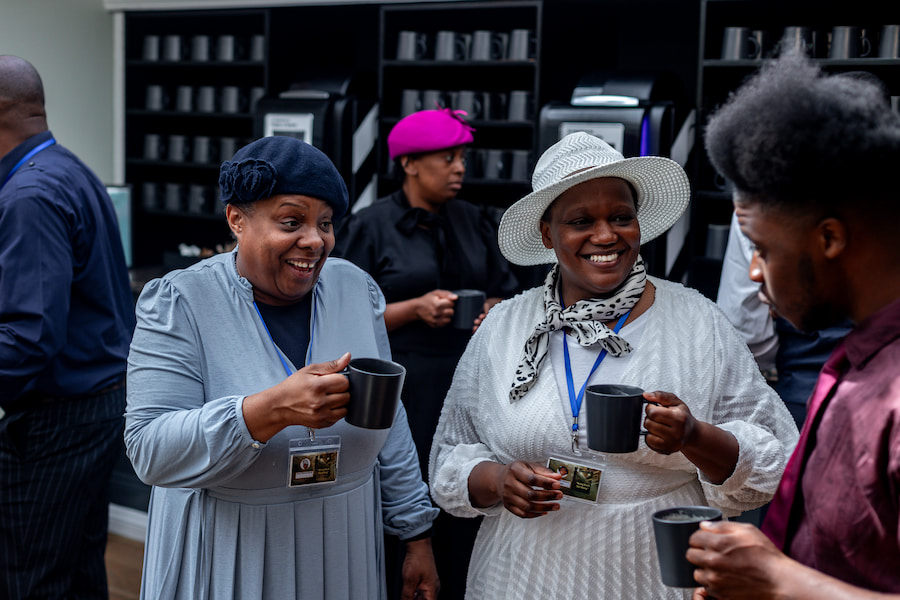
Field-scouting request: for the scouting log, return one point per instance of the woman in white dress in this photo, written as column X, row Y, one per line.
column 235, row 389
column 718, row 435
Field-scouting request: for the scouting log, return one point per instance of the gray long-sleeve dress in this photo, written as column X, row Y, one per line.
column 222, row 521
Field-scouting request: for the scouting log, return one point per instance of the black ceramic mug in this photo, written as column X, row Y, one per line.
column 614, row 415
column 375, row 386
column 739, row 43
column 673, row 528
column 469, row 304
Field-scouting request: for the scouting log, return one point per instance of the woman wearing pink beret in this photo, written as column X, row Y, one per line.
column 420, row 244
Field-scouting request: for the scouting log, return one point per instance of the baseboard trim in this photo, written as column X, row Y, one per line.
column 128, row 522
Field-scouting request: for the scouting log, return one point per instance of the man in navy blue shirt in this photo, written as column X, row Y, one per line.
column 66, row 320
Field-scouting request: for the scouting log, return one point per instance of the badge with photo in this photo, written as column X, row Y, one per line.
column 313, row 462
column 580, row 478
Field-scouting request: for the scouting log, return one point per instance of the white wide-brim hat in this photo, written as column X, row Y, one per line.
column 663, row 192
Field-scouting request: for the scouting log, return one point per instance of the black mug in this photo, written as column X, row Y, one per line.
column 495, row 164
column 522, row 44
column 433, row 99
column 739, row 43
column 519, row 165
column 411, row 45
column 672, row 529
column 410, row 102
column 520, row 105
column 614, row 415
column 469, row 304
column 488, row 45
column 889, row 46
column 849, row 42
column 375, row 386
column 469, row 101
column 450, row 45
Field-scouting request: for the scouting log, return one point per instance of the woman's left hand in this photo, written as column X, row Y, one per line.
column 670, row 425
column 672, row 428
column 420, row 577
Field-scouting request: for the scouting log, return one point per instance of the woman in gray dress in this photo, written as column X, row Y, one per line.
column 234, row 377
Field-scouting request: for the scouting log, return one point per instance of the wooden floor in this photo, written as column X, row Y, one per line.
column 123, row 567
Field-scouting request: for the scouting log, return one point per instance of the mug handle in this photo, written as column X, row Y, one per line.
column 421, row 47
column 644, row 432
column 497, row 48
column 754, row 52
column 867, row 47
column 460, row 49
column 477, row 107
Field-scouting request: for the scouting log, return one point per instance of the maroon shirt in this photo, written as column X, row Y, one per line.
column 849, row 526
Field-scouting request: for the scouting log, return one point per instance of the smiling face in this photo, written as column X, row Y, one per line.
column 593, row 230
column 283, row 242
column 435, row 177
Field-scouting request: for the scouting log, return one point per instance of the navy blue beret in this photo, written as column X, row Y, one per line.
column 282, row 165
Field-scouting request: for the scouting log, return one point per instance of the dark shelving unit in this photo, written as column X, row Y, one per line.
column 175, row 198
column 717, row 77
column 496, row 77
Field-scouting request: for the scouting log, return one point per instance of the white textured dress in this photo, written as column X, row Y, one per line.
column 604, row 550
column 223, row 524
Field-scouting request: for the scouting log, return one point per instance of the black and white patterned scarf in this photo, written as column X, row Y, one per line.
column 586, row 320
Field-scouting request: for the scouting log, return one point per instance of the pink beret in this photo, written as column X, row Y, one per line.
column 429, row 131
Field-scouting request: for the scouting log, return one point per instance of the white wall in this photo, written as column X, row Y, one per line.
column 70, row 43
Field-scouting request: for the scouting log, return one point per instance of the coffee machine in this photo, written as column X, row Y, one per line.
column 639, row 114
column 332, row 113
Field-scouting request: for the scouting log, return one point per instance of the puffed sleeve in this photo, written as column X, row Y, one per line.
column 172, row 437
column 457, row 447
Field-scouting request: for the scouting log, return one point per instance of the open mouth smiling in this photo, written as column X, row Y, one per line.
column 302, row 265
column 603, row 258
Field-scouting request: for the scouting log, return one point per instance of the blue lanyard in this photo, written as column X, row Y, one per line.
column 312, row 331
column 34, row 151
column 575, row 401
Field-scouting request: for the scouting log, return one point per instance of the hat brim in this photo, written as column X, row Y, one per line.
column 663, row 193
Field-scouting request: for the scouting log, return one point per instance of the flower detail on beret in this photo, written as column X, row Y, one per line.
column 247, row 181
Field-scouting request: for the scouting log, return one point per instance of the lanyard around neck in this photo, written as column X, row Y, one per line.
column 312, row 331
column 25, row 158
column 575, row 399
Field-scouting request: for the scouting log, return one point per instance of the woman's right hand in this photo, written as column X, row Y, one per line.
column 436, row 307
column 527, row 490
column 315, row 396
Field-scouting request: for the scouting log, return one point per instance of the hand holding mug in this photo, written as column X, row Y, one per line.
column 672, row 428
column 319, row 393
column 315, row 396
column 669, row 425
column 436, row 307
column 736, row 561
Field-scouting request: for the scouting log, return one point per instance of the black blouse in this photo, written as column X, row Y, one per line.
column 409, row 252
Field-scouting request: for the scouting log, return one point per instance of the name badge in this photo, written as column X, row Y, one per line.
column 313, row 461
column 580, row 477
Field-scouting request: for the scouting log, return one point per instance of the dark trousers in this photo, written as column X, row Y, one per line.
column 55, row 465
column 427, row 380
column 452, row 544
